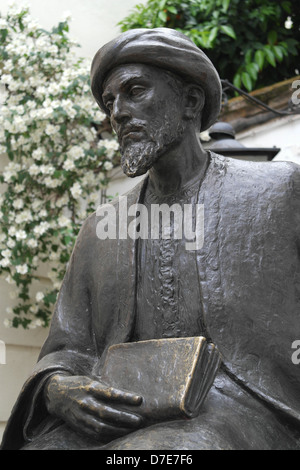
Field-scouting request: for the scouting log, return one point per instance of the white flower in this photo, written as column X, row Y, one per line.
column 6, row 79
column 99, row 116
column 38, row 153
column 4, row 262
column 39, row 296
column 51, row 182
column 76, row 190
column 3, row 23
column 110, row 145
column 8, row 175
column 10, row 280
column 32, row 243
column 47, row 169
column 62, row 201
column 63, row 221
column 108, row 166
column 12, row 231
column 34, row 170
column 53, row 49
column 67, row 105
column 43, row 213
column 51, row 130
column 34, row 309
column 18, row 204
column 94, row 197
column 82, row 215
column 6, row 253
column 42, row 228
column 23, row 217
column 21, row 235
column 69, row 165
column 288, row 24
column 36, row 205
column 11, row 243
column 18, row 188
column 23, row 269
column 35, row 324
column 76, row 152
column 7, row 323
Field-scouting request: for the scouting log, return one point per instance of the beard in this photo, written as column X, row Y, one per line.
column 139, row 156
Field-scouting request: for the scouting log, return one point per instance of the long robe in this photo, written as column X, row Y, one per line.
column 249, row 277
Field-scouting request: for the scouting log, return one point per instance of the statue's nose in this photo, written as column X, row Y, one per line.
column 120, row 111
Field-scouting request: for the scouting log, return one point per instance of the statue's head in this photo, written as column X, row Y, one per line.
column 153, row 84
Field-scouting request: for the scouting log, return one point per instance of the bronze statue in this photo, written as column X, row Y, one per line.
column 240, row 289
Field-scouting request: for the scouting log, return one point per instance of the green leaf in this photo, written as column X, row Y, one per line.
column 272, row 37
column 252, row 69
column 259, row 58
column 213, row 34
column 162, row 15
column 172, row 9
column 237, row 81
column 50, row 298
column 270, row 56
column 10, row 154
column 286, row 6
column 229, row 31
column 246, row 80
column 248, row 56
column 226, row 4
column 278, row 52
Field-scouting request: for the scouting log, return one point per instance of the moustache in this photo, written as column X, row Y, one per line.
column 134, row 126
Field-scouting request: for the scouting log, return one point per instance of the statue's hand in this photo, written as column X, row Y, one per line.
column 91, row 407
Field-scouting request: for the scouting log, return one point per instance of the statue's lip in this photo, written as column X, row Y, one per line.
column 128, row 133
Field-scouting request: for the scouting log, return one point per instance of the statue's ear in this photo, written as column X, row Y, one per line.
column 194, row 101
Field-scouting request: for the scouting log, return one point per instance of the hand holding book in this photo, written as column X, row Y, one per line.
column 172, row 375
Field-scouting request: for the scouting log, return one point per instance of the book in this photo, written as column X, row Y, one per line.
column 172, row 375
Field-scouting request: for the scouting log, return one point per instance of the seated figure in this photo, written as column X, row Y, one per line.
column 239, row 287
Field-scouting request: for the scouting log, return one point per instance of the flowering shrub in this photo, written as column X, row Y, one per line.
column 54, row 160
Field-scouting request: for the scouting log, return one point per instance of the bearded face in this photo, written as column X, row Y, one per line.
column 145, row 112
column 156, row 138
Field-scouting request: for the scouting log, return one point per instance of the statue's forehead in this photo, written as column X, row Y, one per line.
column 122, row 73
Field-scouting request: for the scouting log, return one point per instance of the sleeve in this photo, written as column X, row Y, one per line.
column 69, row 348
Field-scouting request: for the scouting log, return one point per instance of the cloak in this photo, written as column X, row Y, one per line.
column 249, row 276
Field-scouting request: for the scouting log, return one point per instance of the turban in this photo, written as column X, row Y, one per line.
column 164, row 48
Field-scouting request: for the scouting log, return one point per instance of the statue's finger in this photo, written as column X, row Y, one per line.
column 113, row 394
column 95, row 427
column 110, row 414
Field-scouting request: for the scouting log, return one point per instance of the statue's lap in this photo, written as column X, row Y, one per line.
column 231, row 419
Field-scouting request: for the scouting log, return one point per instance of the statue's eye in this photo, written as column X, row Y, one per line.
column 136, row 90
column 109, row 104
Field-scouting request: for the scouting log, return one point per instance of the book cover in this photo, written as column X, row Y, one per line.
column 172, row 375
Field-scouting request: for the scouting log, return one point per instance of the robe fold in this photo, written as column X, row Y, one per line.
column 249, row 279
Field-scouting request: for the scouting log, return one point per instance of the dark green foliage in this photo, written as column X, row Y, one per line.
column 246, row 39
